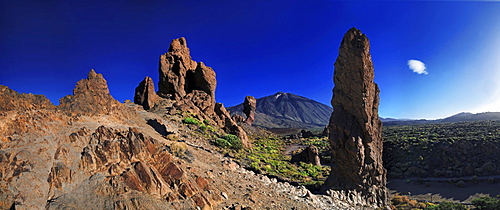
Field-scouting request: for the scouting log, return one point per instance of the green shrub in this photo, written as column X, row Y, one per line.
column 192, row 121
column 220, row 142
column 229, row 142
column 486, row 203
column 447, row 206
column 234, row 140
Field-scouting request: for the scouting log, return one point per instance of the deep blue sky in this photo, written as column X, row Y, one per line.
column 260, row 47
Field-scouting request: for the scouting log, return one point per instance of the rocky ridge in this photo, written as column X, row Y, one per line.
column 12, row 100
column 355, row 131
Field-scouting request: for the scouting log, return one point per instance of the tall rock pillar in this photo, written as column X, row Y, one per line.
column 355, row 130
column 249, row 108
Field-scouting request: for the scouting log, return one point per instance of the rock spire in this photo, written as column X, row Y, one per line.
column 145, row 94
column 355, row 130
column 249, row 108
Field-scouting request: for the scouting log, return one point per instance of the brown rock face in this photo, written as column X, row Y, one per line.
column 249, row 107
column 145, row 94
column 90, row 97
column 12, row 100
column 355, row 131
column 137, row 169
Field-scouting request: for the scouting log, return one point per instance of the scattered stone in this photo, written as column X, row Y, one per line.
column 355, row 130
column 224, row 195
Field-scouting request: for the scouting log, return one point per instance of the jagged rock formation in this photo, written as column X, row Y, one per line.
column 145, row 94
column 286, row 110
column 90, row 97
column 12, row 100
column 192, row 85
column 355, row 131
column 183, row 78
column 249, row 108
column 309, row 155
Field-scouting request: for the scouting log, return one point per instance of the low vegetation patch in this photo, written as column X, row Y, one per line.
column 487, row 203
column 267, row 157
column 442, row 150
column 229, row 141
column 178, row 148
column 191, row 121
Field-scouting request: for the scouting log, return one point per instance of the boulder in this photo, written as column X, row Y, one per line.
column 145, row 94
column 309, row 155
column 355, row 130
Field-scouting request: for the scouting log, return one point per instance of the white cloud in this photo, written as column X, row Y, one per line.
column 417, row 66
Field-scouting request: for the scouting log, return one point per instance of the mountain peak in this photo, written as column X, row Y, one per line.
column 287, row 110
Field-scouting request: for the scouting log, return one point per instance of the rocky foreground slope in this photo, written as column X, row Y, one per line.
column 59, row 158
column 93, row 152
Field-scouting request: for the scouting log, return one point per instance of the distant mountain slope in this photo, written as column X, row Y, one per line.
column 286, row 110
column 460, row 117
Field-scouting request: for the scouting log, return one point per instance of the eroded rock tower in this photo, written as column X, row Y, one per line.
column 355, row 130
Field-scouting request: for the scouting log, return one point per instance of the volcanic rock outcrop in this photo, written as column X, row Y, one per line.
column 355, row 131
column 249, row 108
column 192, row 85
column 90, row 97
column 145, row 94
column 181, row 77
